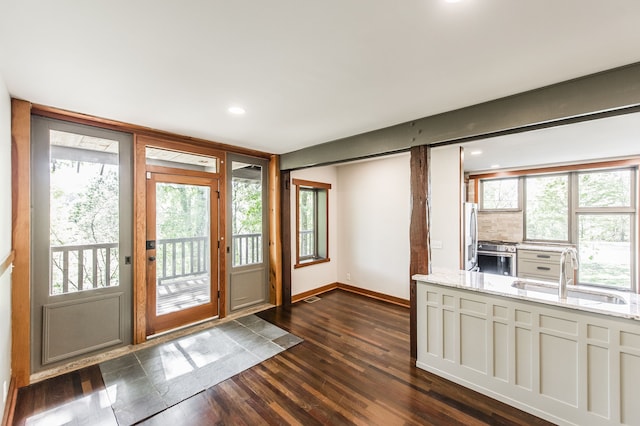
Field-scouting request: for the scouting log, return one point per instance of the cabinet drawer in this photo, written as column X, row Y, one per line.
column 544, row 269
column 539, row 256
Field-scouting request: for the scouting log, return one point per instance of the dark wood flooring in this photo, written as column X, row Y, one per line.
column 353, row 368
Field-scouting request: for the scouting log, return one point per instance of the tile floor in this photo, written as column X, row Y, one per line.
column 147, row 381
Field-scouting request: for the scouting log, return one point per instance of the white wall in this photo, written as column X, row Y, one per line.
column 321, row 274
column 373, row 231
column 446, row 203
column 5, row 241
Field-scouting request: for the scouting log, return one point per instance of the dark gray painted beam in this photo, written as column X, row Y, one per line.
column 579, row 99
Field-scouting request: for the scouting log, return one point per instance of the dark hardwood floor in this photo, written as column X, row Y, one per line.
column 353, row 368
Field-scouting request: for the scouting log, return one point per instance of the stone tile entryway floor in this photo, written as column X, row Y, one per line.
column 150, row 380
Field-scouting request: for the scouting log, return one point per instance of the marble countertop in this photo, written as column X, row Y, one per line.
column 502, row 286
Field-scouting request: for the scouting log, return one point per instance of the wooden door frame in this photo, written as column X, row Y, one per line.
column 21, row 239
column 21, row 112
column 140, row 223
column 199, row 312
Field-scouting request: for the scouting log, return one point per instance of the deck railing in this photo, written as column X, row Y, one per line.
column 307, row 244
column 181, row 257
column 83, row 267
column 89, row 266
column 247, row 249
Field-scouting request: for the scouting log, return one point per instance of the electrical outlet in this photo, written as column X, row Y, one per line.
column 348, row 276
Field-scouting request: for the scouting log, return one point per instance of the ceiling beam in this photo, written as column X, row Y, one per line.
column 607, row 92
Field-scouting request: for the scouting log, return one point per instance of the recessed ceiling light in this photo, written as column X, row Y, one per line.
column 495, row 166
column 477, row 152
column 236, row 110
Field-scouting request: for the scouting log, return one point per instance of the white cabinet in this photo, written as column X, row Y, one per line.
column 565, row 365
column 539, row 264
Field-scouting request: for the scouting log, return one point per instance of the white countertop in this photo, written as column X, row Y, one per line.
column 502, row 286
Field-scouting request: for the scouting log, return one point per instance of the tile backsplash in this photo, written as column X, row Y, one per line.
column 503, row 226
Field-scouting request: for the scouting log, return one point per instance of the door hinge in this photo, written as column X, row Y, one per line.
column 218, row 194
column 218, row 243
column 218, row 294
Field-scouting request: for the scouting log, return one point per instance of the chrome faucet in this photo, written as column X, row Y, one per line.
column 565, row 279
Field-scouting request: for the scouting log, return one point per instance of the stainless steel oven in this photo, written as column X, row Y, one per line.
column 497, row 257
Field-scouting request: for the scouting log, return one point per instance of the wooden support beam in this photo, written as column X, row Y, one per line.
column 275, row 236
column 21, row 238
column 420, row 254
column 285, row 210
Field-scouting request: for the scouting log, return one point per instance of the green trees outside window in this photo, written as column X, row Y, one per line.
column 593, row 209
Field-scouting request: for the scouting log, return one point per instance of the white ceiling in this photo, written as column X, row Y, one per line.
column 595, row 140
column 306, row 71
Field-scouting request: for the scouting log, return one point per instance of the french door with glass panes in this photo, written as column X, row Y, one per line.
column 81, row 241
column 182, row 249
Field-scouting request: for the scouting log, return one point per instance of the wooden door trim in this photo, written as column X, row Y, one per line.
column 142, row 131
column 184, row 179
column 21, row 239
column 150, row 232
column 141, row 141
column 139, row 243
column 181, row 172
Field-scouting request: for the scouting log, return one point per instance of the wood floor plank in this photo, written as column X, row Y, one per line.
column 353, row 368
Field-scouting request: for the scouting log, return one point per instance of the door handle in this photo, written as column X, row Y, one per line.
column 152, row 258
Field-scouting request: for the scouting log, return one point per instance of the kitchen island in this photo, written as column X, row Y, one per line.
column 572, row 361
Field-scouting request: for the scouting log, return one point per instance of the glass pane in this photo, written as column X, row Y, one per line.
column 84, row 212
column 605, row 189
column 182, row 246
column 307, row 223
column 321, row 224
column 604, row 243
column 246, row 212
column 181, row 160
column 547, row 208
column 500, row 194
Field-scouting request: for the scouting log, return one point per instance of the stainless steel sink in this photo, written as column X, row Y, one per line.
column 578, row 293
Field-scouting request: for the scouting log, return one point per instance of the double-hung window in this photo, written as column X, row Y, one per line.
column 604, row 226
column 312, row 222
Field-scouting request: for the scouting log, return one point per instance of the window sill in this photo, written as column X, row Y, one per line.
column 310, row 262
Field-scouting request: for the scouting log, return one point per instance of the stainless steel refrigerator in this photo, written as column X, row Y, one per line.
column 470, row 236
